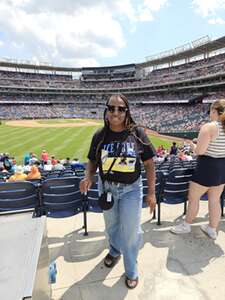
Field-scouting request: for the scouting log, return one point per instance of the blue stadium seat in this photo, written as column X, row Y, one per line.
column 158, row 181
column 18, row 196
column 92, row 196
column 174, row 189
column 145, row 185
column 67, row 174
column 79, row 173
column 61, row 197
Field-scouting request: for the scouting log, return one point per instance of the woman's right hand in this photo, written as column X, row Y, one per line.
column 85, row 184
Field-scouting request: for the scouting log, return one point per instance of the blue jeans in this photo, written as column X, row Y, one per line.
column 123, row 221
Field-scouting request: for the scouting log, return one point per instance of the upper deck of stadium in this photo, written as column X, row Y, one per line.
column 203, row 46
column 199, row 65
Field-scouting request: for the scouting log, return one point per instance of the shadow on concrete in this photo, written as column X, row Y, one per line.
column 95, row 286
column 188, row 254
column 76, row 247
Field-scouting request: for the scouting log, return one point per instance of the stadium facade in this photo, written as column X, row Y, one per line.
column 169, row 92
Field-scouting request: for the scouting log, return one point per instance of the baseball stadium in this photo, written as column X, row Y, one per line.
column 56, row 110
column 40, row 105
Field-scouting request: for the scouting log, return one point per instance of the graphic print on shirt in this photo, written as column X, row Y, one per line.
column 126, row 160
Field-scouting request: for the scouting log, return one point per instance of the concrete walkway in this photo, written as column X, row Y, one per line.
column 187, row 267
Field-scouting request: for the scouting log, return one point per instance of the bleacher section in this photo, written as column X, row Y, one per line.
column 57, row 193
column 174, row 83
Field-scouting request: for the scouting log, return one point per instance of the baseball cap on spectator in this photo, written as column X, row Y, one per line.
column 19, row 169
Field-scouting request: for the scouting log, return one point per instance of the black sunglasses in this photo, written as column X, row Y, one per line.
column 120, row 109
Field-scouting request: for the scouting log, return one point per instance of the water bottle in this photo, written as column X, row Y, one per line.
column 52, row 271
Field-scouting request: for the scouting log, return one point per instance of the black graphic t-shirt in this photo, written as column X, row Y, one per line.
column 126, row 168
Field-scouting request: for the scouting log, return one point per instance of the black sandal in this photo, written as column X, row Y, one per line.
column 131, row 283
column 110, row 261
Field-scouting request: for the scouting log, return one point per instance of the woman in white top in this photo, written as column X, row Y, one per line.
column 209, row 176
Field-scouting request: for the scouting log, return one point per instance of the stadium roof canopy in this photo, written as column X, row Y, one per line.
column 202, row 46
column 38, row 67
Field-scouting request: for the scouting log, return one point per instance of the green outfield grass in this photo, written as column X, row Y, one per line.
column 62, row 142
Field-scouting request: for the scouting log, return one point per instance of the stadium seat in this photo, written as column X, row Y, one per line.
column 92, row 197
column 174, row 188
column 79, row 173
column 61, row 197
column 67, row 174
column 145, row 185
column 18, row 196
column 159, row 175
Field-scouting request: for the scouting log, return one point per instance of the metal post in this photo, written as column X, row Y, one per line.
column 85, row 202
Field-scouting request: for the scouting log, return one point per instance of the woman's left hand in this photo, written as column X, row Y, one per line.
column 192, row 146
column 151, row 200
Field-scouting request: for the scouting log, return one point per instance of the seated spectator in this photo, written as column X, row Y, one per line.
column 38, row 165
column 27, row 169
column 67, row 162
column 159, row 158
column 173, row 149
column 53, row 160
column 7, row 162
column 58, row 167
column 76, row 165
column 188, row 156
column 160, row 150
column 33, row 159
column 14, row 165
column 44, row 157
column 18, row 175
column 27, row 158
column 34, row 173
column 3, row 172
column 182, row 156
column 47, row 165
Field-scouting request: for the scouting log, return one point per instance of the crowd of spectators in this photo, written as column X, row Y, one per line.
column 191, row 70
column 47, row 166
column 181, row 152
column 167, row 114
column 171, row 117
column 162, row 117
column 34, row 167
column 91, row 100
column 49, row 111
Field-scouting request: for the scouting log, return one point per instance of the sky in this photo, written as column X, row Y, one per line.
column 87, row 33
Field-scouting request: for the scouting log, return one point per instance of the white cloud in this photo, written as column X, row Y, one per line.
column 215, row 21
column 75, row 32
column 148, row 7
column 207, row 8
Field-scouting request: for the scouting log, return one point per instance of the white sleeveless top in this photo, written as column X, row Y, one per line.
column 216, row 147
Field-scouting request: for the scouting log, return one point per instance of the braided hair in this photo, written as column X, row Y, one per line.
column 130, row 124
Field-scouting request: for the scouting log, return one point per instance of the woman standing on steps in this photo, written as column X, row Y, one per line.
column 117, row 150
column 209, row 176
